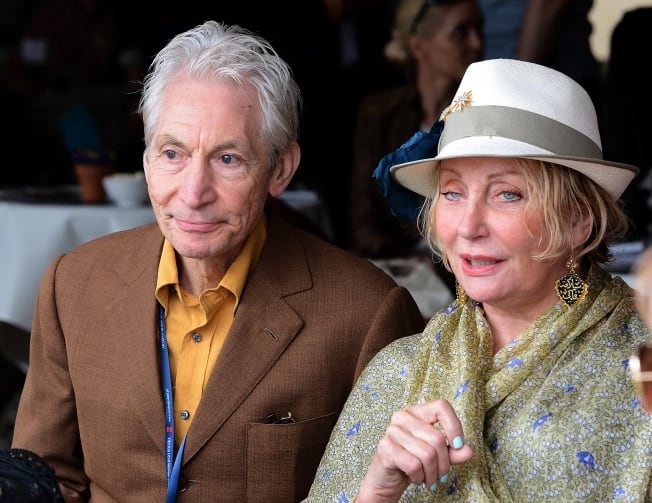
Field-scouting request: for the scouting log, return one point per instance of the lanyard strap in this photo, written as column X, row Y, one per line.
column 172, row 462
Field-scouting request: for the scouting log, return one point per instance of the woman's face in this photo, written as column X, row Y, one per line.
column 456, row 41
column 490, row 239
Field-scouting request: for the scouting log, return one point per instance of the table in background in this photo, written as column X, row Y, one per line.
column 625, row 255
column 311, row 206
column 32, row 234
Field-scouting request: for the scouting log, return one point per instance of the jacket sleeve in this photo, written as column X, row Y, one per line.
column 397, row 316
column 46, row 421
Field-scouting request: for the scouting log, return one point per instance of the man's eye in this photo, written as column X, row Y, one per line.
column 170, row 154
column 226, row 158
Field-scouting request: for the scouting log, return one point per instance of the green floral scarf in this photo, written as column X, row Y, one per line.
column 551, row 416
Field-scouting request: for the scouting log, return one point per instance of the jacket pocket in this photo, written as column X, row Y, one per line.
column 282, row 458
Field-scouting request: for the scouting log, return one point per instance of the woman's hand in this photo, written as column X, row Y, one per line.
column 419, row 446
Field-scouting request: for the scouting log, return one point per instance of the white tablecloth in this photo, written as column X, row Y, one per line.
column 418, row 276
column 310, row 205
column 31, row 235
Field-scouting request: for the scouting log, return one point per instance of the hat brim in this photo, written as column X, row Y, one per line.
column 417, row 175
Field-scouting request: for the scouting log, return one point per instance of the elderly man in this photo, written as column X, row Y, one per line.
column 205, row 358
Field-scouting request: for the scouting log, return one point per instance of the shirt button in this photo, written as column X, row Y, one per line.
column 196, row 337
column 184, row 414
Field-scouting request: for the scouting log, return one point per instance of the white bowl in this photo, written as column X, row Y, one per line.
column 126, row 189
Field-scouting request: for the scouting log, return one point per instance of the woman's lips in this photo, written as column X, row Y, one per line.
column 479, row 265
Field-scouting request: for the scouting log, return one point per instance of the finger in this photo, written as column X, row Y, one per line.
column 440, row 412
column 461, row 455
column 393, row 467
column 426, row 457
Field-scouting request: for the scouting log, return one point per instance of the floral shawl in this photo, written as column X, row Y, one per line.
column 552, row 416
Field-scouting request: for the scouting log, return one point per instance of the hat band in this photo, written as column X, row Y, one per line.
column 520, row 125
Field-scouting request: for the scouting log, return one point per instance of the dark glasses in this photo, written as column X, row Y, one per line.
column 640, row 364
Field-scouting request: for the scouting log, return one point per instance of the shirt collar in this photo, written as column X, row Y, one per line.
column 236, row 275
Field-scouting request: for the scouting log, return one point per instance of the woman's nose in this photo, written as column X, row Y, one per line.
column 472, row 223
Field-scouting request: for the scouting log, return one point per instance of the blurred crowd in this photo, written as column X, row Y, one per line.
column 65, row 59
column 372, row 72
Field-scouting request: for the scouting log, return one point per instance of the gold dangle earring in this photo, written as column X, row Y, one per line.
column 571, row 288
column 460, row 294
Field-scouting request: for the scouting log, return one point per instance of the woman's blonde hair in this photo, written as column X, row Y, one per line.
column 397, row 50
column 564, row 196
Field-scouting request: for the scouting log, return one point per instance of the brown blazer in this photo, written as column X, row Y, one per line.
column 310, row 318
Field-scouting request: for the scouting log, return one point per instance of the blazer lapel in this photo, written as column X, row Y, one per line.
column 134, row 318
column 263, row 328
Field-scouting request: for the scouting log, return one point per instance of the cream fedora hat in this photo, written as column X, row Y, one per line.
column 511, row 108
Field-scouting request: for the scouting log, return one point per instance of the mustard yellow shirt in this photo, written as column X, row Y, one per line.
column 196, row 327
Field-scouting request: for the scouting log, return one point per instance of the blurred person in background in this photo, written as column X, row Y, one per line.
column 627, row 125
column 555, row 33
column 433, row 42
column 640, row 362
column 522, row 382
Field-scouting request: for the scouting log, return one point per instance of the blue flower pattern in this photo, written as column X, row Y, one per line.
column 587, row 455
column 586, row 458
column 450, row 309
column 462, row 389
column 354, row 429
column 541, row 421
column 514, row 362
column 493, row 445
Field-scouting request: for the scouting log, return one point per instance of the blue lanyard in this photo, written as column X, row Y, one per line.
column 172, row 463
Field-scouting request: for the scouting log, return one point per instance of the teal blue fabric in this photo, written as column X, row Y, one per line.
column 403, row 202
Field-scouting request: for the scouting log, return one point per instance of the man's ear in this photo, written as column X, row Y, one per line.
column 145, row 164
column 286, row 165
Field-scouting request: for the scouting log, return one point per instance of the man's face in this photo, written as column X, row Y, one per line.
column 207, row 169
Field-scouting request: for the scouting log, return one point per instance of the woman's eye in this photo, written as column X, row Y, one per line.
column 451, row 195
column 511, row 196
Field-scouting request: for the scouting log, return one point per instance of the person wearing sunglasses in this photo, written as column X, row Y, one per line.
column 520, row 389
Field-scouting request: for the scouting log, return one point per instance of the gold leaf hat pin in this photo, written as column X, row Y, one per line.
column 461, row 101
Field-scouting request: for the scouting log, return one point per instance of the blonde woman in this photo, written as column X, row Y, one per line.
column 520, row 389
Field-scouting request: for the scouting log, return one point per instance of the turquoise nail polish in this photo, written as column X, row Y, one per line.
column 458, row 442
column 433, row 487
column 444, row 478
